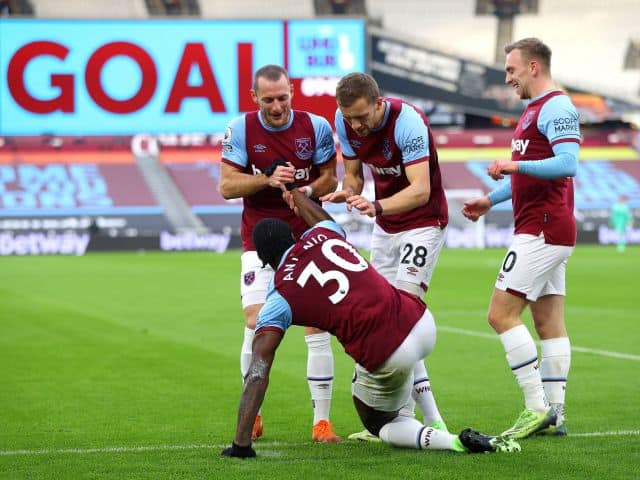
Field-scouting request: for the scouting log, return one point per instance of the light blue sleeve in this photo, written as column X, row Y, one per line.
column 325, row 146
column 328, row 224
column 560, row 123
column 559, row 120
column 411, row 135
column 563, row 164
column 275, row 313
column 502, row 193
column 233, row 145
column 341, row 131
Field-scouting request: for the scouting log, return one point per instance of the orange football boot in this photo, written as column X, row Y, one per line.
column 323, row 433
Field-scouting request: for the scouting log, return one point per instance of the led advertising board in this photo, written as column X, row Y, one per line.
column 90, row 77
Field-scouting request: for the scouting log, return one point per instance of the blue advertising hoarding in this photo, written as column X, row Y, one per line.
column 71, row 77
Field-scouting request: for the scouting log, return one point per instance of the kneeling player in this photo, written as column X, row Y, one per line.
column 322, row 281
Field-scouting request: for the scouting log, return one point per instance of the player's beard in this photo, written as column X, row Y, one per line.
column 278, row 121
column 523, row 92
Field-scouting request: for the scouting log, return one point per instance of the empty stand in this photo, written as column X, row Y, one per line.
column 176, row 208
column 588, row 53
column 257, row 9
column 89, row 9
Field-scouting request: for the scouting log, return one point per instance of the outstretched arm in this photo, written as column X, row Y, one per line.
column 326, row 182
column 352, row 183
column 563, row 164
column 475, row 208
column 415, row 194
column 256, row 381
column 309, row 210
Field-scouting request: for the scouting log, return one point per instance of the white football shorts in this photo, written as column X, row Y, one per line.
column 254, row 279
column 408, row 257
column 533, row 269
column 388, row 388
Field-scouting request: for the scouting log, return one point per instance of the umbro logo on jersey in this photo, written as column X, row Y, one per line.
column 259, row 148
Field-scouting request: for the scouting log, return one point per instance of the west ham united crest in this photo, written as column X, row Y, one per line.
column 386, row 149
column 249, row 278
column 526, row 121
column 303, row 148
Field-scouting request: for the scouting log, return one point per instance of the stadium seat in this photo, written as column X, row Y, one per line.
column 256, row 9
column 89, row 9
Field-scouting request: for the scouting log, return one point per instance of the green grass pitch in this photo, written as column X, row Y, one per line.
column 126, row 366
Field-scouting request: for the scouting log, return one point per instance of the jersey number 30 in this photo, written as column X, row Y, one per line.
column 312, row 270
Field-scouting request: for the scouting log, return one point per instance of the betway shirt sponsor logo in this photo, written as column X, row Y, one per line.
column 395, row 171
column 37, row 243
column 301, row 173
column 217, row 242
column 519, row 145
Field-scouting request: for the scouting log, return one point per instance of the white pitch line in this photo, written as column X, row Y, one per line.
column 606, row 434
column 259, row 446
column 148, row 448
column 493, row 336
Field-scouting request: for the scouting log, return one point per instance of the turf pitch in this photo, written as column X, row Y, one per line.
column 125, row 366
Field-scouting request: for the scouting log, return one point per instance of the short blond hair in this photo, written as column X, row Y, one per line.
column 272, row 73
column 532, row 49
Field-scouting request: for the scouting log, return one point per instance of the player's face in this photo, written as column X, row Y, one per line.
column 363, row 116
column 518, row 73
column 273, row 100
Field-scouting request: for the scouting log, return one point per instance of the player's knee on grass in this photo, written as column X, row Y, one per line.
column 372, row 419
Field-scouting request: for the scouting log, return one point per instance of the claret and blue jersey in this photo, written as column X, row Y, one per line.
column 546, row 144
column 250, row 145
column 324, row 282
column 410, row 135
column 276, row 312
column 236, row 151
column 403, row 139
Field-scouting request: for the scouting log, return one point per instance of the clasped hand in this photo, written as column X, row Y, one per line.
column 499, row 168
